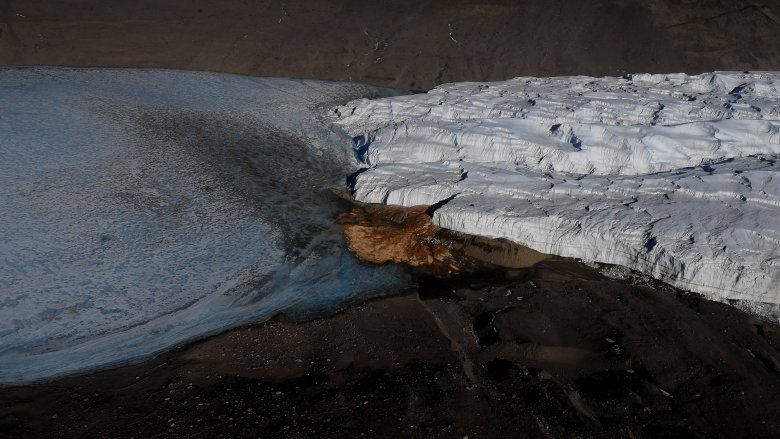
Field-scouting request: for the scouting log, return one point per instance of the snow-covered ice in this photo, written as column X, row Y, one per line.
column 674, row 176
column 141, row 208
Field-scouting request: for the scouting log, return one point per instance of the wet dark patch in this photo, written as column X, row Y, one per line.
column 768, row 364
column 431, row 287
column 500, row 369
column 611, row 385
column 488, row 337
column 484, row 325
column 670, row 431
column 613, row 341
column 719, row 380
column 484, row 321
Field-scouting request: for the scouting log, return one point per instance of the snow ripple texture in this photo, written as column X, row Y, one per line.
column 674, row 176
column 142, row 208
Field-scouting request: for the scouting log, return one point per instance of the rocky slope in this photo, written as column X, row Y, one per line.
column 407, row 44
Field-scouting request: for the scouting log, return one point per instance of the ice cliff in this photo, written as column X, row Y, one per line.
column 674, row 176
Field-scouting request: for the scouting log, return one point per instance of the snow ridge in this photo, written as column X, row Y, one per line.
column 670, row 175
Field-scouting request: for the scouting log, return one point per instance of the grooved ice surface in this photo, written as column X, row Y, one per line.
column 671, row 175
column 141, row 208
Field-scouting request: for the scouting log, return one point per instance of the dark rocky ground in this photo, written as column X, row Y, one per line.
column 551, row 351
column 409, row 44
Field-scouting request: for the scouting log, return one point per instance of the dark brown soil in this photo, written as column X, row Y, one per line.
column 550, row 351
column 409, row 44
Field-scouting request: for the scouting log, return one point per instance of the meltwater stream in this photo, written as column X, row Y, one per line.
column 143, row 208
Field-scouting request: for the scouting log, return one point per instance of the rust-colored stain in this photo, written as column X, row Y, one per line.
column 381, row 234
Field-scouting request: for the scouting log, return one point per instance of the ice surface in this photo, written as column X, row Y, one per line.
column 141, row 208
column 670, row 175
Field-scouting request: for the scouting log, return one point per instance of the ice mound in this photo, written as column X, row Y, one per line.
column 670, row 175
column 142, row 208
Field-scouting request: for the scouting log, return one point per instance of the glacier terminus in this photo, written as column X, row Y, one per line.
column 674, row 176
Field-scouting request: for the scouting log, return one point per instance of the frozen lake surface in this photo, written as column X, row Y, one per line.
column 142, row 208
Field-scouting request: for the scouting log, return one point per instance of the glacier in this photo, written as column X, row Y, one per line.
column 142, row 208
column 674, row 176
